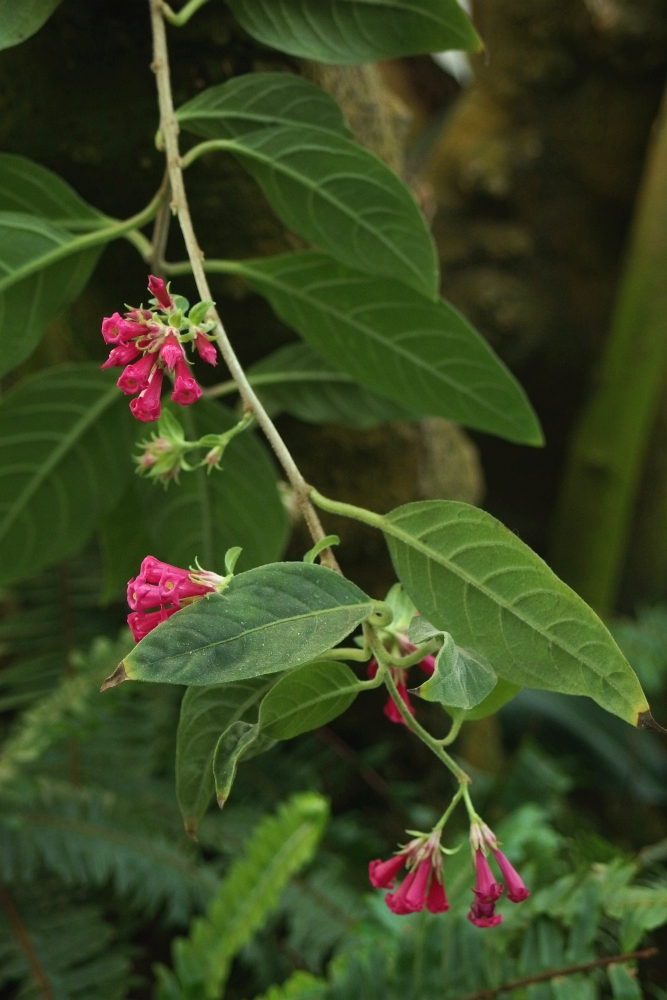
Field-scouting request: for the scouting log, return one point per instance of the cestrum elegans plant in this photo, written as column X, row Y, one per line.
column 281, row 648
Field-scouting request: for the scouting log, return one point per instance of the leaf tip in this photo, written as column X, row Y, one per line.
column 221, row 800
column 117, row 677
column 191, row 830
column 646, row 721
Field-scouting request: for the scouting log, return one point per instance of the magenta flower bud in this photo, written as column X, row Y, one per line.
column 159, row 289
column 398, row 901
column 111, row 328
column 186, row 390
column 171, row 351
column 121, row 355
column 138, row 314
column 516, row 890
column 436, row 900
column 135, row 377
column 486, row 886
column 207, row 351
column 146, row 406
column 428, row 664
column 383, row 873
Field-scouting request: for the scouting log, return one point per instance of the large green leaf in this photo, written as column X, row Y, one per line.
column 460, row 680
column 29, row 301
column 343, row 199
column 246, row 103
column 471, row 576
column 206, row 712
column 269, row 619
column 356, row 31
column 296, row 380
column 424, row 355
column 65, row 440
column 19, row 19
column 28, row 187
column 307, row 698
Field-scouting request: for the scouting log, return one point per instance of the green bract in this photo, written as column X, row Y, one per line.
column 269, row 619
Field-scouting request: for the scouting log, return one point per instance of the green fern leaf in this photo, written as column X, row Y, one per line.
column 300, row 986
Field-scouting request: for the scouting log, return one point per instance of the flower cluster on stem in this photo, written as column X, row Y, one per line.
column 149, row 342
column 160, row 590
column 423, row 884
column 487, row 890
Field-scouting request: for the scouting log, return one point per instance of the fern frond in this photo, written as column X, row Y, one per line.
column 299, row 986
column 90, row 839
column 277, row 848
column 51, row 949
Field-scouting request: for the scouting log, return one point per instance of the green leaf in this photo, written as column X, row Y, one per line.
column 423, row 355
column 356, row 31
column 206, row 712
column 296, row 380
column 30, row 188
column 64, row 454
column 461, row 679
column 269, row 619
column 30, row 301
column 307, row 698
column 238, row 741
column 299, row 986
column 19, row 20
column 257, row 100
column 205, row 515
column 624, row 983
column 471, row 576
column 278, row 847
column 343, row 199
column 503, row 692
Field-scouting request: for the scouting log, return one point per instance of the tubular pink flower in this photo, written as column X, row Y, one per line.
column 476, row 917
column 159, row 289
column 141, row 624
column 415, row 897
column 171, row 351
column 186, row 390
column 486, row 887
column 121, row 355
column 146, row 406
column 127, row 329
column 436, row 899
column 383, row 873
column 135, row 377
column 207, row 351
column 111, row 328
column 516, row 890
column 398, row 901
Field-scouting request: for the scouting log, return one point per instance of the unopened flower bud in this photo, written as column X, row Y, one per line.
column 159, row 289
column 206, row 349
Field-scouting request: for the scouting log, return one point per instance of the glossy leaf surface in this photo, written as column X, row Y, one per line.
column 471, row 576
column 257, row 100
column 343, row 199
column 19, row 19
column 269, row 619
column 28, row 187
column 423, row 355
column 296, row 380
column 206, row 713
column 356, row 31
column 29, row 301
column 307, row 698
column 64, row 460
column 461, row 679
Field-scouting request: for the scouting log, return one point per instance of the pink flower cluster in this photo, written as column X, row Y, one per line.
column 161, row 590
column 391, row 709
column 422, row 886
column 487, row 891
column 148, row 332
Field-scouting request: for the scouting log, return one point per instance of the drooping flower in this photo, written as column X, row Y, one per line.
column 422, row 886
column 186, row 389
column 487, row 892
column 160, row 590
column 146, row 406
column 391, row 709
column 516, row 890
column 206, row 349
column 171, row 351
column 161, row 292
column 135, row 377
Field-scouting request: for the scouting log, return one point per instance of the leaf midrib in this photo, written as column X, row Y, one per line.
column 77, row 431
